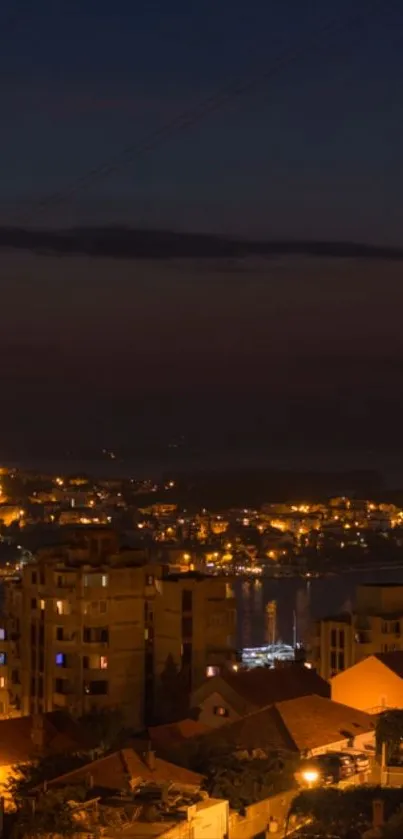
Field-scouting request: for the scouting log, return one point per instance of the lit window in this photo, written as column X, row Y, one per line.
column 212, row 671
column 2, row 634
column 59, row 607
column 59, row 659
column 42, row 604
column 3, row 658
column 104, row 662
column 220, row 711
column 2, row 681
column 104, row 580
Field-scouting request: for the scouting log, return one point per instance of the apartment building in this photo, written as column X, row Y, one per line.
column 82, row 634
column 374, row 625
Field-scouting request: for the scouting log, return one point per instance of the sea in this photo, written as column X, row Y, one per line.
column 298, row 600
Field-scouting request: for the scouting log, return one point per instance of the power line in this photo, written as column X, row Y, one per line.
column 210, row 105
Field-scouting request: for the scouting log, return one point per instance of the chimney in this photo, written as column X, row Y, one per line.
column 150, row 759
column 38, row 732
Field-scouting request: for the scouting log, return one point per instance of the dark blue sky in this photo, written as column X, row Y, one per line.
column 302, row 354
column 315, row 152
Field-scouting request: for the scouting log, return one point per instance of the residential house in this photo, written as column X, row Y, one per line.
column 374, row 625
column 305, row 726
column 231, row 695
column 166, row 738
column 126, row 769
column 372, row 685
column 25, row 739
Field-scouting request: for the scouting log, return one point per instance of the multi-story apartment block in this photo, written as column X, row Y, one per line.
column 85, row 631
column 374, row 625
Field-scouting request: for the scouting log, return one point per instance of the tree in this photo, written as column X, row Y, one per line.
column 49, row 814
column 106, row 726
column 336, row 811
column 173, row 693
column 28, row 776
column 389, row 730
column 244, row 782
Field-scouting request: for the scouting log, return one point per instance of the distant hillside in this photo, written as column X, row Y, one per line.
column 126, row 243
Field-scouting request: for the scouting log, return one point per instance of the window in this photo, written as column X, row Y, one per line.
column 59, row 633
column 95, row 580
column 3, row 658
column 212, row 671
column 95, row 635
column 2, row 634
column 42, row 578
column 42, row 604
column 96, row 688
column 341, row 639
column 2, row 681
column 333, row 661
column 220, row 711
column 34, row 578
column 384, row 627
column 33, row 603
column 341, row 661
column 59, row 659
column 333, row 638
column 187, row 601
column 150, row 580
column 59, row 685
column 103, row 662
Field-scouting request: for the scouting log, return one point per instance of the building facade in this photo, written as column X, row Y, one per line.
column 374, row 625
column 83, row 635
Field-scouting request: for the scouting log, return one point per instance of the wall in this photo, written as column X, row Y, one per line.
column 207, row 715
column 368, row 686
column 257, row 815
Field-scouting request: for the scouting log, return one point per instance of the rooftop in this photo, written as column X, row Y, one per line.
column 297, row 725
column 57, row 730
column 262, row 685
column 127, row 768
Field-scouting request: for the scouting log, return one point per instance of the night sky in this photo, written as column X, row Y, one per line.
column 299, row 355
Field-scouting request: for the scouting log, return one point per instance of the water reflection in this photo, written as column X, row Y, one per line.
column 297, row 600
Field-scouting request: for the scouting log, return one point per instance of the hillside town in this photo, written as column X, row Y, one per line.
column 169, row 524
column 125, row 704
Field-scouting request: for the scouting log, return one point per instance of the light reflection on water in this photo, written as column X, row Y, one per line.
column 309, row 599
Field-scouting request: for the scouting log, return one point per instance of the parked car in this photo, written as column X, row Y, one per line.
column 329, row 768
column 361, row 759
